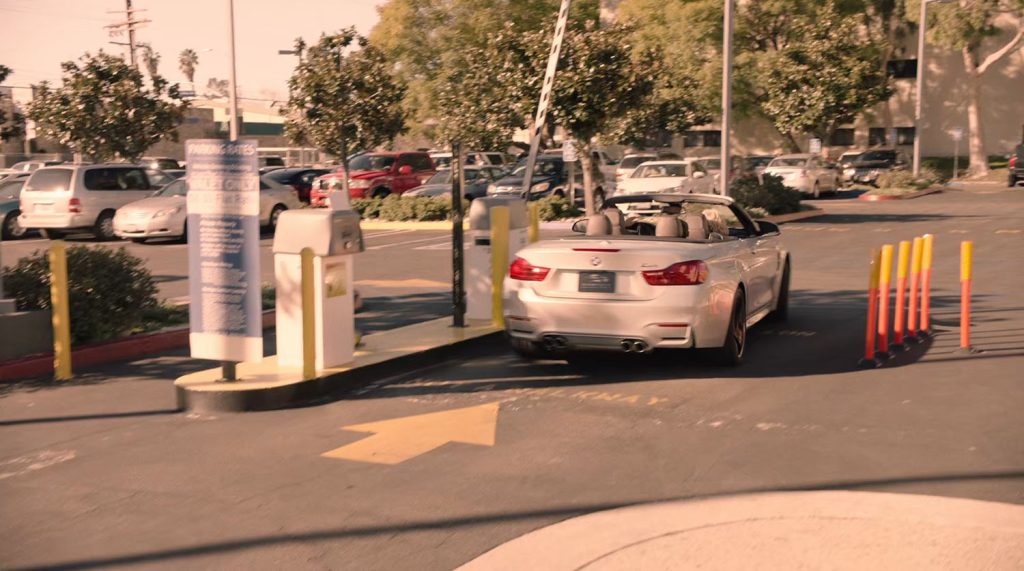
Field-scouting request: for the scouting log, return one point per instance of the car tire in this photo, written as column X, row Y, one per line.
column 12, row 229
column 527, row 349
column 781, row 311
column 103, row 230
column 731, row 353
column 51, row 234
column 275, row 214
column 380, row 193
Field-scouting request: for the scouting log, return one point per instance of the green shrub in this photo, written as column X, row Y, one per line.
column 367, row 207
column 768, row 194
column 397, row 209
column 431, row 208
column 906, row 179
column 556, row 208
column 110, row 291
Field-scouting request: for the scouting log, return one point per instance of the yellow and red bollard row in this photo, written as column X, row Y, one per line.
column 909, row 323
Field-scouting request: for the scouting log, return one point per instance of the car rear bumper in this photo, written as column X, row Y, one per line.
column 56, row 221
column 674, row 320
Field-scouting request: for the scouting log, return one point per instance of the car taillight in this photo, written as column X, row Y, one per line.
column 523, row 270
column 1013, row 162
column 693, row 272
column 75, row 206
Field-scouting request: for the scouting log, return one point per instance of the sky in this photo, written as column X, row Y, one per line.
column 37, row 35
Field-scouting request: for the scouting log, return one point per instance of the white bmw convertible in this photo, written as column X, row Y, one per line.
column 650, row 271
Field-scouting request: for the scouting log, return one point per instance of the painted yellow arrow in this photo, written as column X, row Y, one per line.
column 399, row 439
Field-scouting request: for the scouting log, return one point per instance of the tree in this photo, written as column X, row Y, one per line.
column 810, row 69
column 343, row 98
column 597, row 82
column 15, row 124
column 104, row 110
column 965, row 26
column 150, row 59
column 188, row 59
column 217, row 88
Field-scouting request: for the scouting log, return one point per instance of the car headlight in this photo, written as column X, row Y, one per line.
column 359, row 183
column 167, row 212
column 491, row 189
column 541, row 187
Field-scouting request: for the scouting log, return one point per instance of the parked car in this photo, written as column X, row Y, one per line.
column 271, row 162
column 10, row 208
column 690, row 272
column 299, row 179
column 629, row 162
column 376, row 175
column 682, row 176
column 26, row 167
column 478, row 178
column 550, row 178
column 164, row 214
column 444, row 160
column 161, row 163
column 1016, row 166
column 866, row 168
column 844, row 164
column 65, row 199
column 806, row 173
column 160, row 179
column 754, row 164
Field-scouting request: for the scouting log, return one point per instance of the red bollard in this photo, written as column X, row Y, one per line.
column 966, row 255
column 926, row 285
column 900, row 318
column 869, row 360
column 885, row 269
column 915, row 284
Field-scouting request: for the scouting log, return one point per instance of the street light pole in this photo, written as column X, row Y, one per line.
column 726, row 101
column 233, row 94
column 921, row 25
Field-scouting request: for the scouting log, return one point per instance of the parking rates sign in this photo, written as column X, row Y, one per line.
column 225, row 313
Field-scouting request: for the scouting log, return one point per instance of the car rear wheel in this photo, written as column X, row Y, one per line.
column 104, row 227
column 380, row 193
column 12, row 229
column 731, row 353
column 275, row 214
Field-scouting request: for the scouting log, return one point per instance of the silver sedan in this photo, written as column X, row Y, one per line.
column 163, row 215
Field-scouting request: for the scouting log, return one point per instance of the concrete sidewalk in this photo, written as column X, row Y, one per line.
column 795, row 530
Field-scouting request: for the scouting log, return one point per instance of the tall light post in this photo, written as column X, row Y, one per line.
column 726, row 101
column 922, row 24
column 233, row 93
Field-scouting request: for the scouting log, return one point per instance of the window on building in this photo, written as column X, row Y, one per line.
column 841, row 138
column 876, row 137
column 904, row 135
column 702, row 139
column 902, row 68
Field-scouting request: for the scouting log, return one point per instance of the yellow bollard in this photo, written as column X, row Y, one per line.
column 915, row 286
column 499, row 262
column 899, row 317
column 884, row 278
column 926, row 284
column 308, row 315
column 533, row 233
column 966, row 262
column 61, row 314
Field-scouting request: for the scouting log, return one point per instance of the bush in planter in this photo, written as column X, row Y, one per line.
column 556, row 208
column 367, row 207
column 768, row 193
column 110, row 291
column 906, row 179
column 428, row 208
column 397, row 209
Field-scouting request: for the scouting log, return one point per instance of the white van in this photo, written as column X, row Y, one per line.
column 62, row 200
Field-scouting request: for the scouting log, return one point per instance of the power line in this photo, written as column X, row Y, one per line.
column 129, row 25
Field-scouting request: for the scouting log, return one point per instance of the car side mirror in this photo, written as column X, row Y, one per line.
column 766, row 227
column 699, row 174
column 405, row 170
column 580, row 226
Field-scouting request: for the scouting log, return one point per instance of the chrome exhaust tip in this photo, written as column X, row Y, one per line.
column 555, row 343
column 639, row 346
column 627, row 345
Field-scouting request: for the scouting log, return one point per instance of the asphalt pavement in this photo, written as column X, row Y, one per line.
column 104, row 473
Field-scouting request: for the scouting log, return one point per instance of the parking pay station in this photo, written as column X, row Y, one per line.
column 333, row 236
column 478, row 255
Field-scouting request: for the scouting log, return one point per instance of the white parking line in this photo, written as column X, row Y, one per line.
column 382, row 246
column 387, row 233
column 1008, row 231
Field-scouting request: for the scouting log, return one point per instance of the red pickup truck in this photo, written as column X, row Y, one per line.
column 376, row 175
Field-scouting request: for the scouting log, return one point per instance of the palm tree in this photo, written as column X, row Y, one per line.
column 150, row 59
column 187, row 62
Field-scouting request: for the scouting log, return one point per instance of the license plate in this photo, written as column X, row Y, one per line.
column 597, row 282
column 43, row 208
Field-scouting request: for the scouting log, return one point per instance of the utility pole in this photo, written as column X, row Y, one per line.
column 233, row 94
column 726, row 159
column 129, row 25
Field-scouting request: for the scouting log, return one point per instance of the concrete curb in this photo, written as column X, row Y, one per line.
column 327, row 386
column 123, row 349
column 882, row 197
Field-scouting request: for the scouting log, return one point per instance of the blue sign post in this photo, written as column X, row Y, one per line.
column 223, row 202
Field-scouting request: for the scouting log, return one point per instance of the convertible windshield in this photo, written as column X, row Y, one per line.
column 371, row 163
column 659, row 171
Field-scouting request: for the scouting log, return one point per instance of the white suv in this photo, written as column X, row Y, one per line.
column 61, row 200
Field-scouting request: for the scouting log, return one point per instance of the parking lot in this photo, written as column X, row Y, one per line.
column 105, row 472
